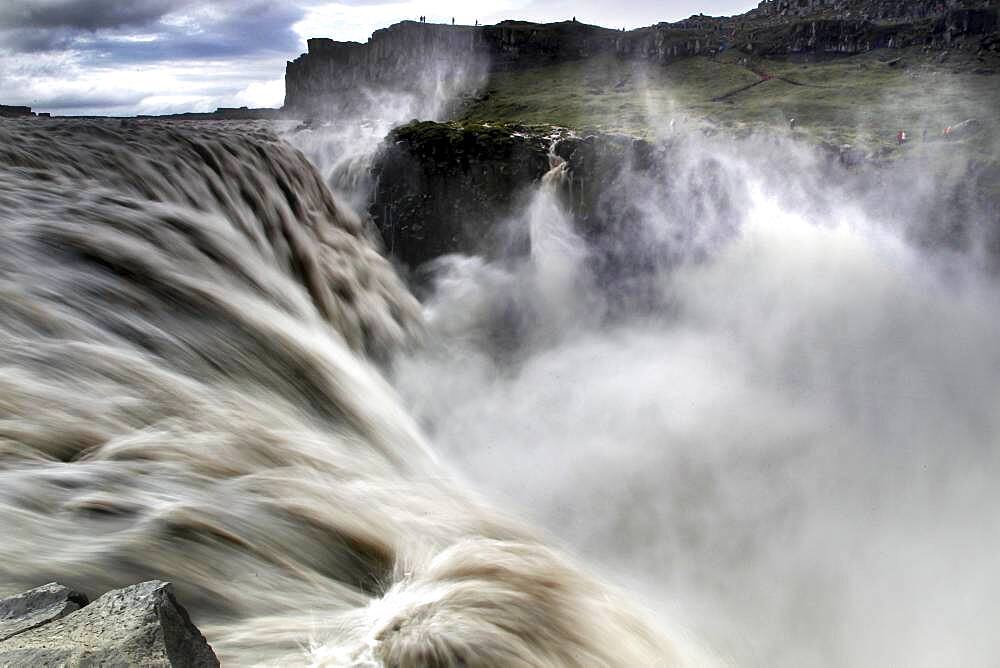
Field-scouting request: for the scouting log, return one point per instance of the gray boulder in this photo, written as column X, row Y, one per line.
column 36, row 607
column 141, row 625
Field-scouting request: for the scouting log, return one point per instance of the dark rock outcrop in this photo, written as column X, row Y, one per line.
column 444, row 188
column 9, row 111
column 141, row 625
column 37, row 607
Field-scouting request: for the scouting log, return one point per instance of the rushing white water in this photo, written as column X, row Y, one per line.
column 794, row 451
column 189, row 391
column 786, row 449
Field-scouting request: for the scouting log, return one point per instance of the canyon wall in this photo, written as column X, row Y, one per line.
column 434, row 60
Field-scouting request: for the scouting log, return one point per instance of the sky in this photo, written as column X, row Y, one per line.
column 127, row 57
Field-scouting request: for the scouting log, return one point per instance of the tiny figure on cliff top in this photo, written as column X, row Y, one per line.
column 453, row 20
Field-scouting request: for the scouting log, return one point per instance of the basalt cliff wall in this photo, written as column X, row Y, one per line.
column 429, row 59
column 433, row 59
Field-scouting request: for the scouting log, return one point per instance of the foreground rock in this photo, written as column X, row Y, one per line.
column 141, row 625
column 36, row 607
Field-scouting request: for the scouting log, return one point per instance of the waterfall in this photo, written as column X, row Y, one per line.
column 193, row 341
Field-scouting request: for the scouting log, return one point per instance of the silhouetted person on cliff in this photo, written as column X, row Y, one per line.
column 453, row 20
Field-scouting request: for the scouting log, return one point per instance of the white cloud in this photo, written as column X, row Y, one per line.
column 64, row 84
column 261, row 94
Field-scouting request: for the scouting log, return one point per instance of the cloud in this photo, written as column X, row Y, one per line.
column 93, row 99
column 65, row 83
column 262, row 94
column 151, row 29
column 249, row 29
column 149, row 56
column 85, row 14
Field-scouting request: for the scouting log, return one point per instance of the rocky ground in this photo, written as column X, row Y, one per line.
column 141, row 625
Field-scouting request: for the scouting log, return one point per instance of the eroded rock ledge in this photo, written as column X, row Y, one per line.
column 141, row 625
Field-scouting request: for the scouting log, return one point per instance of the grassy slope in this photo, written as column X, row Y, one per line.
column 859, row 100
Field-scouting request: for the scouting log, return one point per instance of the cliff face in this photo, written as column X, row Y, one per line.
column 435, row 61
column 780, row 27
column 448, row 188
column 408, row 57
column 443, row 189
column 957, row 28
column 429, row 59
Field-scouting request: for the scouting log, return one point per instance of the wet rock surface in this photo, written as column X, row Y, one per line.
column 140, row 625
column 445, row 188
column 36, row 607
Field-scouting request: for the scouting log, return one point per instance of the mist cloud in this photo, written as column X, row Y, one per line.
column 795, row 457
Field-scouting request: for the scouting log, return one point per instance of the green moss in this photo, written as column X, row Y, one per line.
column 456, row 141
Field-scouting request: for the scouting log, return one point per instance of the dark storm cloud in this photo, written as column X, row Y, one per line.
column 104, row 29
column 256, row 28
column 84, row 14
